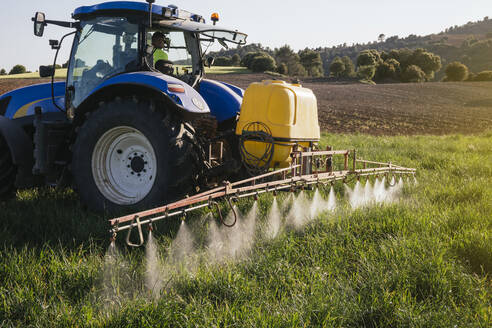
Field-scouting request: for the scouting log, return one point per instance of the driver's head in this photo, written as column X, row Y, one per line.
column 159, row 40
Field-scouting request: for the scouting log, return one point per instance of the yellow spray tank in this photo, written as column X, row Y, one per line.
column 275, row 116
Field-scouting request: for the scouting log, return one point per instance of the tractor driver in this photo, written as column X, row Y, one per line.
column 160, row 57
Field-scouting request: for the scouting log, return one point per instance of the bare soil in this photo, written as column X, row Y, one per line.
column 396, row 109
column 384, row 109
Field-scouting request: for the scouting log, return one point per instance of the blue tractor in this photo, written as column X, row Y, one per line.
column 135, row 124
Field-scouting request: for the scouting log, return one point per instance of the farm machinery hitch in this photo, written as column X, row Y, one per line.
column 305, row 170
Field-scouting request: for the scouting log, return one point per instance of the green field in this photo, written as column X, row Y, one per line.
column 423, row 262
column 62, row 73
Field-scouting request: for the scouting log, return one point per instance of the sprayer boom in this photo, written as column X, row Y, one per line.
column 307, row 168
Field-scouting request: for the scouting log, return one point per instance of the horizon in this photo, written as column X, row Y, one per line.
column 311, row 30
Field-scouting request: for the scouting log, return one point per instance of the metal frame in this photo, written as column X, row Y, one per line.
column 303, row 171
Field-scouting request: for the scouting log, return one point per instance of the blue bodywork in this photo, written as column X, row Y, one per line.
column 136, row 7
column 190, row 100
column 117, row 5
column 24, row 100
column 224, row 101
column 220, row 99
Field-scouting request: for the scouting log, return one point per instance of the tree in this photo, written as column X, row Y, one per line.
column 381, row 37
column 248, row 58
column 388, row 70
column 403, row 56
column 337, row 67
column 483, row 76
column 427, row 61
column 282, row 69
column 287, row 56
column 223, row 61
column 235, row 60
column 17, row 69
column 349, row 67
column 80, row 63
column 456, row 71
column 3, row 71
column 311, row 60
column 263, row 63
column 413, row 73
column 366, row 72
column 369, row 57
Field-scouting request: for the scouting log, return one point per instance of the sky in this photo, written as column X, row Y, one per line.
column 301, row 24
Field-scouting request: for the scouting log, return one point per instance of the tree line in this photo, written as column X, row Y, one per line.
column 397, row 65
column 17, row 69
column 283, row 60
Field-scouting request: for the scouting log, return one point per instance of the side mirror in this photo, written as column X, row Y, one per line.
column 46, row 71
column 39, row 24
column 210, row 61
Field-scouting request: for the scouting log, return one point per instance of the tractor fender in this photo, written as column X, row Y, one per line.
column 239, row 91
column 184, row 98
column 23, row 101
column 21, row 150
column 224, row 100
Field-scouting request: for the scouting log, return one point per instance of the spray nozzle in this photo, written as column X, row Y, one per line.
column 113, row 236
column 114, row 231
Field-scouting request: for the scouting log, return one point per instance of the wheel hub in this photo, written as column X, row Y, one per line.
column 137, row 164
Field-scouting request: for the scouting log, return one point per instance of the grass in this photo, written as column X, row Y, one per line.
column 62, row 73
column 423, row 262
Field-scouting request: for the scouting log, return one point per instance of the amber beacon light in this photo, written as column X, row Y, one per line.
column 215, row 18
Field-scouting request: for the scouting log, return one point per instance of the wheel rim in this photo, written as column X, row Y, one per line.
column 124, row 165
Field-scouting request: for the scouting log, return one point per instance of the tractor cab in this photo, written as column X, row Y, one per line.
column 114, row 38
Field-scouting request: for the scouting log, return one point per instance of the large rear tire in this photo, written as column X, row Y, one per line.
column 7, row 171
column 127, row 156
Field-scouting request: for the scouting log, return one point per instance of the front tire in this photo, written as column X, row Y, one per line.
column 129, row 157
